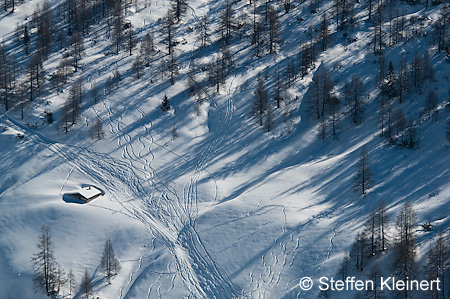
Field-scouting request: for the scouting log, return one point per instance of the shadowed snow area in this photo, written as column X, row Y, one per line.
column 201, row 201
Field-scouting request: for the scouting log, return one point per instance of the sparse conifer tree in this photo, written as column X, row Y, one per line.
column 403, row 82
column 405, row 247
column 71, row 107
column 416, row 71
column 60, row 279
column 109, row 264
column 431, row 104
column 21, row 92
column 382, row 65
column 324, row 32
column 174, row 132
column 86, row 287
column 203, row 31
column 344, row 268
column 260, row 103
column 95, row 93
column 26, row 39
column 171, row 62
column 371, row 228
column 323, row 129
column 147, row 49
column 438, row 264
column 227, row 22
column 363, row 178
column 71, row 283
column 258, row 40
column 118, row 20
column 45, row 29
column 287, row 5
column 410, row 140
column 333, row 110
column 291, row 74
column 165, row 104
column 274, row 30
column 44, row 264
column 315, row 98
column 96, row 131
column 77, row 50
column 5, row 78
column 428, row 71
column 138, row 67
column 109, row 85
column 400, row 125
column 354, row 92
column 36, row 74
column 131, row 43
column 358, row 251
column 383, row 230
column 374, row 291
column 269, row 118
column 327, row 91
column 278, row 87
column 179, row 8
column 306, row 60
column 226, row 60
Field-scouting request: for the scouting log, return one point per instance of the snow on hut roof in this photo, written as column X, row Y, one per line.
column 86, row 193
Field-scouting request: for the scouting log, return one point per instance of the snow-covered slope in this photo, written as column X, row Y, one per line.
column 223, row 209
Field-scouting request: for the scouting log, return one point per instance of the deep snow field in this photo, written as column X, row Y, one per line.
column 225, row 209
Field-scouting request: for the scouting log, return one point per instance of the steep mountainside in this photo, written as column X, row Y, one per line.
column 239, row 146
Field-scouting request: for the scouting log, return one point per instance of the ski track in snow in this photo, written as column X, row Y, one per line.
column 67, row 178
column 197, row 269
column 165, row 219
column 145, row 196
column 283, row 252
column 184, row 213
